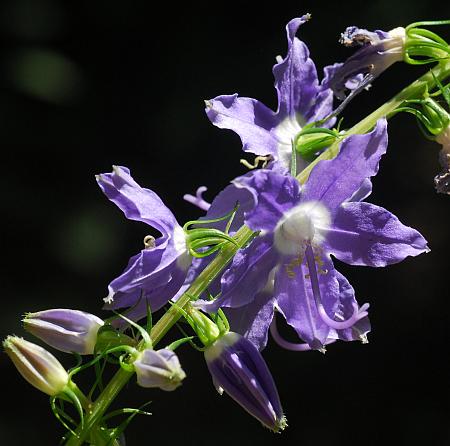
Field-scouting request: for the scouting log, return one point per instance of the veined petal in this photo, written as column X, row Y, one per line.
column 273, row 193
column 253, row 320
column 295, row 300
column 149, row 270
column 226, row 200
column 366, row 234
column 246, row 276
column 136, row 202
column 334, row 181
column 249, row 118
column 296, row 77
column 347, row 301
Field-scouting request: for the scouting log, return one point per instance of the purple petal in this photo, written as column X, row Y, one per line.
column 354, row 36
column 295, row 301
column 136, row 202
column 363, row 192
column 253, row 320
column 336, row 180
column 148, row 271
column 365, row 234
column 246, row 276
column 347, row 301
column 226, row 200
column 273, row 193
column 249, row 118
column 296, row 77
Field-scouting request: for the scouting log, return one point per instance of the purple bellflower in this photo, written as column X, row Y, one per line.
column 301, row 100
column 64, row 329
column 289, row 268
column 238, row 369
column 155, row 274
column 379, row 50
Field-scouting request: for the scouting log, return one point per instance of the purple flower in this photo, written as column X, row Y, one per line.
column 155, row 274
column 66, row 330
column 301, row 100
column 160, row 369
column 289, row 268
column 379, row 50
column 238, row 368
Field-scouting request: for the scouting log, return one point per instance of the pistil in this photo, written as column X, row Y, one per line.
column 358, row 313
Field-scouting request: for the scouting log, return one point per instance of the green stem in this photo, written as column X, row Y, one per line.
column 414, row 90
column 168, row 320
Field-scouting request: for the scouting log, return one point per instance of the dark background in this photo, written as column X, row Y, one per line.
column 101, row 83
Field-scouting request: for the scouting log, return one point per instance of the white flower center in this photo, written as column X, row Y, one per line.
column 179, row 242
column 395, row 45
column 286, row 132
column 305, row 223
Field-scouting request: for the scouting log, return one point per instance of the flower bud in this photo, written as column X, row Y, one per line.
column 310, row 141
column 159, row 369
column 70, row 331
column 38, row 366
column 238, row 368
column 206, row 329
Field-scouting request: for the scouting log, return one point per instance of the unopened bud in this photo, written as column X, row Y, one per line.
column 38, row 366
column 238, row 369
column 160, row 369
column 70, row 331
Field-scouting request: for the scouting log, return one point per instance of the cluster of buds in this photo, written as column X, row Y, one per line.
column 78, row 332
column 235, row 364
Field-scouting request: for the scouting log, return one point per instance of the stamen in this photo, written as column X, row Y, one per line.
column 198, row 199
column 358, row 313
column 264, row 160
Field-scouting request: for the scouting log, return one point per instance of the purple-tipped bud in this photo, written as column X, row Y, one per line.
column 159, row 368
column 70, row 331
column 238, row 368
column 38, row 366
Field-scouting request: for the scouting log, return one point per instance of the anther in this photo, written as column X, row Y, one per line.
column 149, row 242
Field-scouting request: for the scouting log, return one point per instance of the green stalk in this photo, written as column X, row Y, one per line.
column 412, row 91
column 168, row 320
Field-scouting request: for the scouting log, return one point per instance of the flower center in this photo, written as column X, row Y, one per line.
column 304, row 224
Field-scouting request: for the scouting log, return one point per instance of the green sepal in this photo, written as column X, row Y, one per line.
column 423, row 46
column 431, row 117
column 175, row 344
column 311, row 140
column 108, row 337
column 145, row 335
column 204, row 327
column 202, row 242
column 114, row 433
